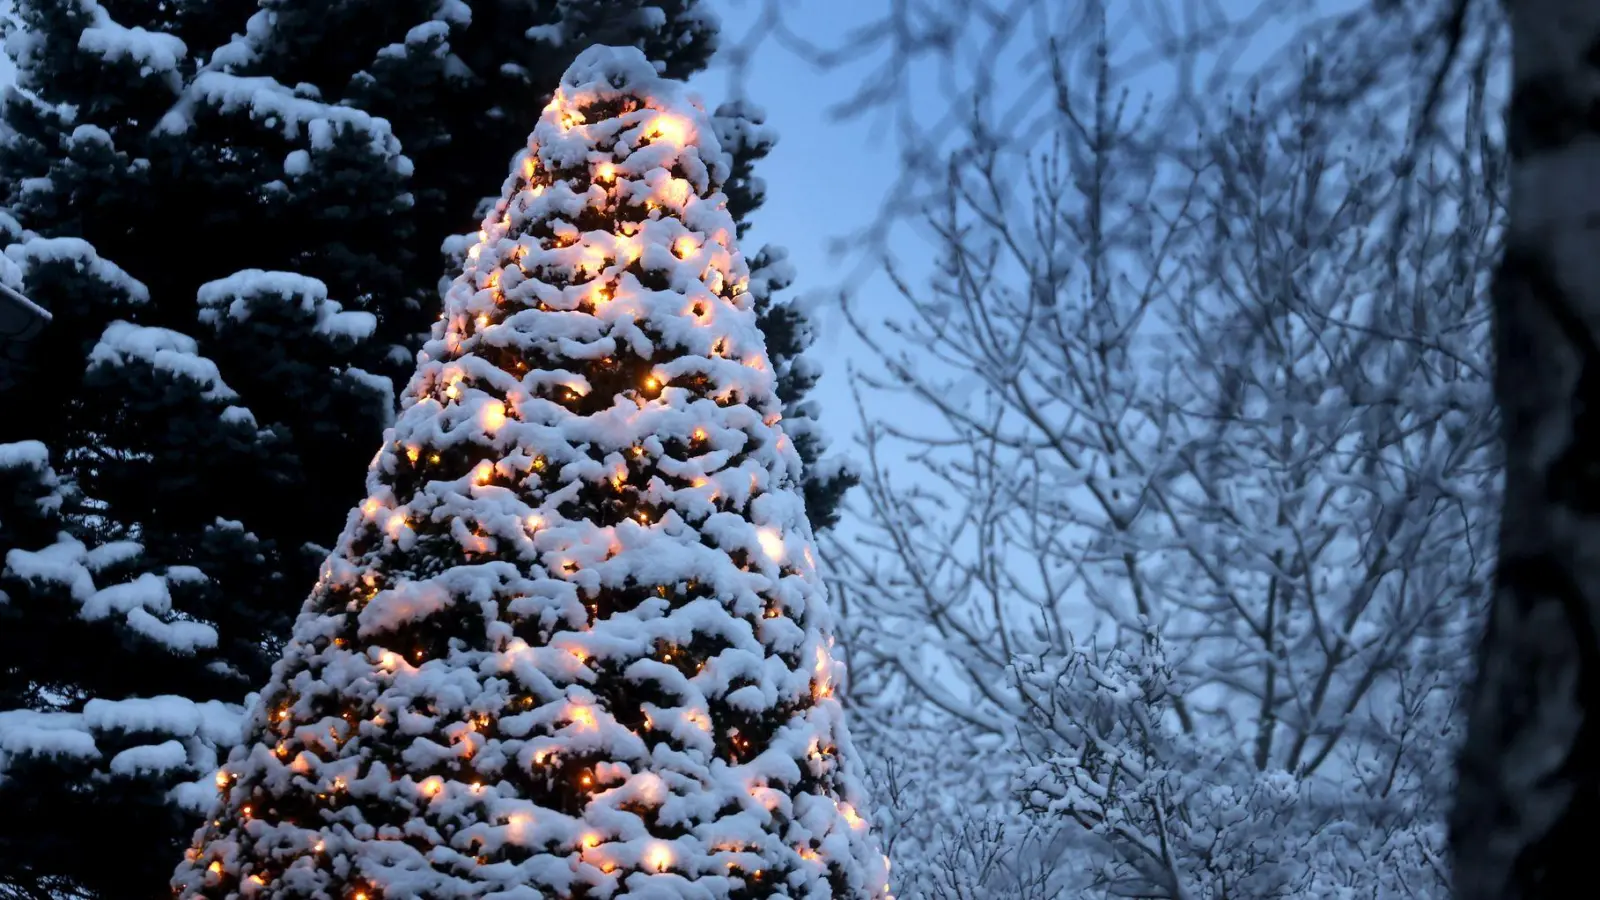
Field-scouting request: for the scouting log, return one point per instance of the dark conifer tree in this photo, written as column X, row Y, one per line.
column 215, row 252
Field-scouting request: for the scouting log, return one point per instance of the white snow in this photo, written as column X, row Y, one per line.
column 297, row 163
column 238, row 295
column 152, row 50
column 143, row 604
column 163, row 349
column 24, row 732
column 153, row 758
column 33, row 251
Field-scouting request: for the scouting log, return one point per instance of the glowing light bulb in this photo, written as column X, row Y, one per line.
column 771, row 543
column 606, row 172
column 215, row 868
column 652, row 383
column 670, row 128
column 412, row 453
column 371, row 507
column 583, row 717
column 223, row 779
column 483, row 473
column 483, row 322
column 699, row 434
column 851, row 816
column 431, row 786
column 591, row 841
column 535, row 522
column 685, row 247
column 659, row 857
column 494, row 415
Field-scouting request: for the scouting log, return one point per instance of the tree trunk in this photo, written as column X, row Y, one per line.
column 1527, row 808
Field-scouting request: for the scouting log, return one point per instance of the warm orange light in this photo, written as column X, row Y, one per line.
column 583, row 717
column 535, row 522
column 670, row 128
column 483, row 322
column 807, row 853
column 412, row 453
column 586, row 780
column 494, row 415
column 606, row 172
column 371, row 507
column 530, row 166
column 431, row 786
column 685, row 247
column 851, row 816
column 591, row 841
column 483, row 473
column 659, row 857
column 771, row 543
column 700, row 434
column 215, row 868
column 258, row 880
column 652, row 382
column 222, row 779
column 579, row 654
column 699, row 483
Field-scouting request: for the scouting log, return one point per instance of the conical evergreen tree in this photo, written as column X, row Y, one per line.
column 183, row 380
column 574, row 643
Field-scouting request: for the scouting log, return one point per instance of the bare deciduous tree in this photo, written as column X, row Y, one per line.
column 1180, row 535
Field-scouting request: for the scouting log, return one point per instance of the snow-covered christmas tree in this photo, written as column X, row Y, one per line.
column 574, row 643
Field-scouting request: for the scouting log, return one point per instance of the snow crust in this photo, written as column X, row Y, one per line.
column 154, row 51
column 240, row 294
column 35, row 251
column 162, row 349
column 143, row 604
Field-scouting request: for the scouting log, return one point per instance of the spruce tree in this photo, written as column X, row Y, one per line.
column 215, row 252
column 574, row 642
